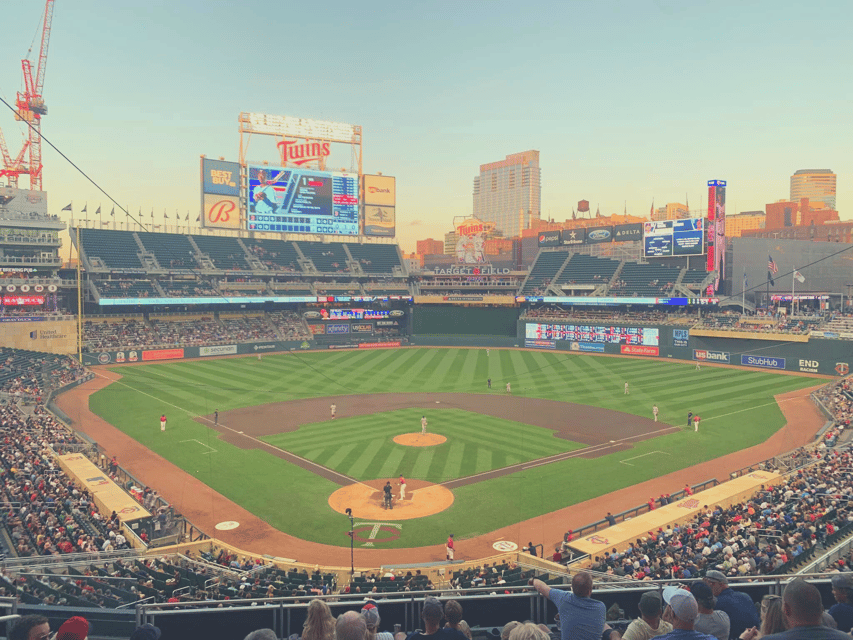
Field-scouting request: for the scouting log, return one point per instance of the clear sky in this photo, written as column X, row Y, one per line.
column 627, row 101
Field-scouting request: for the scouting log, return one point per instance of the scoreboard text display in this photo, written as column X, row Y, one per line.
column 302, row 201
column 583, row 333
column 663, row 238
column 355, row 314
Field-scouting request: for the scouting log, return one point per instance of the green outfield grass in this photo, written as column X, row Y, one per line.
column 475, row 444
column 737, row 409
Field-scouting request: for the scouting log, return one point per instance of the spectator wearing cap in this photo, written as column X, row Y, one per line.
column 581, row 617
column 370, row 613
column 147, row 632
column 842, row 610
column 681, row 612
column 350, row 626
column 31, row 627
column 75, row 628
column 649, row 624
column 713, row 622
column 738, row 606
column 803, row 611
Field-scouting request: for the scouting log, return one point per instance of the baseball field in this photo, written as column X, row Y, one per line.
column 566, row 433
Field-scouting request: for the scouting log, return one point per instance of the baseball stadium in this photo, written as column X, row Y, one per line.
column 210, row 424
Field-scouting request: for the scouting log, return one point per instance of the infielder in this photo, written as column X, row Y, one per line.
column 334, row 410
column 508, row 388
column 423, row 425
column 655, row 411
column 449, row 547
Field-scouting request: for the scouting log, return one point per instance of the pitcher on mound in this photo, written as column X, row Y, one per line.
column 423, row 425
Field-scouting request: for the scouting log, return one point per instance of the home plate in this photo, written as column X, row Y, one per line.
column 438, row 401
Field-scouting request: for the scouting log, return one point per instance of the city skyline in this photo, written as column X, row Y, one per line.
column 621, row 117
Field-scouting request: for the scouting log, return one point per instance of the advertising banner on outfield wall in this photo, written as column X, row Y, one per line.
column 540, row 344
column 705, row 355
column 765, row 362
column 218, row 350
column 162, row 354
column 597, row 235
column 588, row 347
column 680, row 337
column 639, row 350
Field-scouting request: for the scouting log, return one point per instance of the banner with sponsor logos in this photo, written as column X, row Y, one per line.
column 597, row 235
column 362, row 328
column 680, row 337
column 540, row 344
column 705, row 355
column 589, row 347
column 220, row 212
column 23, row 201
column 765, row 362
column 572, row 236
column 218, row 350
column 549, row 238
column 639, row 350
column 380, row 221
column 628, row 232
column 220, row 177
column 380, row 190
column 39, row 334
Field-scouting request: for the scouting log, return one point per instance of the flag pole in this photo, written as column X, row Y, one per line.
column 743, row 296
column 793, row 284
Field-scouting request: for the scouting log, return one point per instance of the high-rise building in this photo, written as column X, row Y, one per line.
column 672, row 211
column 818, row 185
column 744, row 221
column 430, row 247
column 508, row 192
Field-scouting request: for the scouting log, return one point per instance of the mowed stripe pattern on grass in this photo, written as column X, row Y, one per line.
column 737, row 408
column 363, row 447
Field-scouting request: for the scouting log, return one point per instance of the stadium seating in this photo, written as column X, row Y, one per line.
column 645, row 280
column 548, row 263
column 376, row 258
column 186, row 288
column 126, row 289
column 117, row 249
column 248, row 328
column 33, row 373
column 289, row 325
column 693, row 277
column 103, row 334
column 172, row 250
column 225, row 252
column 188, row 331
column 276, row 255
column 328, row 258
column 583, row 269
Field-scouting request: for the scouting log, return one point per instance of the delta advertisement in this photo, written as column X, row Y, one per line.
column 628, row 232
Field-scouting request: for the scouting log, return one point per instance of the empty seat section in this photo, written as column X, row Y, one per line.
column 375, row 258
column 328, row 258
column 172, row 250
column 118, row 249
column 547, row 265
column 226, row 253
column 276, row 255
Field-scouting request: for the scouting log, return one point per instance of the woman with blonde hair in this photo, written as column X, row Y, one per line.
column 319, row 622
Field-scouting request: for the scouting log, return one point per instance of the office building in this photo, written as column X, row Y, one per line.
column 818, row 185
column 430, row 247
column 744, row 221
column 508, row 193
column 671, row 211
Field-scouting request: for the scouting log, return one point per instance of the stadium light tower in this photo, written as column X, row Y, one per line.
column 351, row 544
column 30, row 108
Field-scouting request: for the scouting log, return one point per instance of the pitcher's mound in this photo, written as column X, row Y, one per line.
column 419, row 439
column 365, row 499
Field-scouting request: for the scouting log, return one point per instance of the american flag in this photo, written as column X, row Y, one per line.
column 771, row 266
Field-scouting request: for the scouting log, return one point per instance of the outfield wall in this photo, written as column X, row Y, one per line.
column 182, row 353
column 818, row 355
column 443, row 320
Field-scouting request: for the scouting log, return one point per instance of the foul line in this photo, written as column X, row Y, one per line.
column 212, row 450
column 642, row 455
column 240, row 433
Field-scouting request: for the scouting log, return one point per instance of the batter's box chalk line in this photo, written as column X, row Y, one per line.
column 204, row 453
column 643, row 455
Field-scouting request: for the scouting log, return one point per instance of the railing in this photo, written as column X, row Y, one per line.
column 15, row 565
column 633, row 512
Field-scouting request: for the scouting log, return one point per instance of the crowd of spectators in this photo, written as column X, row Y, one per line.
column 838, row 400
column 760, row 324
column 289, row 325
column 755, row 537
column 248, row 328
column 188, row 288
column 30, row 375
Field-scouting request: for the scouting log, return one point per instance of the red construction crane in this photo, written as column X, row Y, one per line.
column 30, row 108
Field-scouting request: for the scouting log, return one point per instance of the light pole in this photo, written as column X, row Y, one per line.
column 351, row 544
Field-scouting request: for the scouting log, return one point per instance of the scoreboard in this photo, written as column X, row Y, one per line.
column 674, row 237
column 585, row 333
column 355, row 314
column 302, row 201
